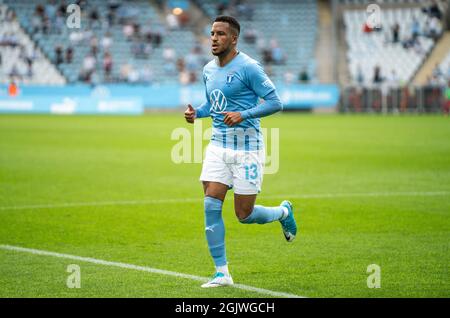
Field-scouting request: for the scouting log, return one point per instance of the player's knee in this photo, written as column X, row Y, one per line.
column 242, row 213
column 212, row 204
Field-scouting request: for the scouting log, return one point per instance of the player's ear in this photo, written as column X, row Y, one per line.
column 235, row 38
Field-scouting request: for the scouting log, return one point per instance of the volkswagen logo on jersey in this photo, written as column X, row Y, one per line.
column 218, row 101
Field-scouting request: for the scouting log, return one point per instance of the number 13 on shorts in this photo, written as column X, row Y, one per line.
column 251, row 171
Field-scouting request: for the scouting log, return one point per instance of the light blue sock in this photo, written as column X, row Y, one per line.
column 215, row 230
column 263, row 215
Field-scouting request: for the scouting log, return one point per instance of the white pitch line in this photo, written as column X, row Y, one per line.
column 142, row 269
column 362, row 194
column 98, row 203
column 189, row 200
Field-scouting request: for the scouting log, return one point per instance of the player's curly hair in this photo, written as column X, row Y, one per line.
column 234, row 24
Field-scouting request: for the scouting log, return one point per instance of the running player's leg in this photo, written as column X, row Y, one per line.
column 216, row 179
column 247, row 182
column 247, row 212
column 215, row 193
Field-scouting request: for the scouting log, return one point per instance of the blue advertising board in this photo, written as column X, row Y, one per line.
column 132, row 99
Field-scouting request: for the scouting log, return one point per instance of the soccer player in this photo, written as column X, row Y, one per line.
column 235, row 156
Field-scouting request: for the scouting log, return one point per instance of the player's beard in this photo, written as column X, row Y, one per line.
column 222, row 53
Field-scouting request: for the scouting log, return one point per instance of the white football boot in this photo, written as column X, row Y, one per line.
column 219, row 280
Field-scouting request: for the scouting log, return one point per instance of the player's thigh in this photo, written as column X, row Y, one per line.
column 216, row 175
column 248, row 174
column 243, row 205
column 215, row 189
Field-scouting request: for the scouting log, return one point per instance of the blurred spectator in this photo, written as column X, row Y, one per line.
column 94, row 19
column 146, row 75
column 60, row 22
column 69, row 55
column 192, row 61
column 169, row 54
column 133, row 76
column 13, row 89
column 107, row 66
column 250, row 35
column 136, row 30
column 157, row 36
column 88, row 67
column 147, row 33
column 141, row 49
column 180, row 64
column 111, row 17
column 75, row 37
column 277, row 54
column 128, row 31
column 93, row 43
column 432, row 9
column 303, row 77
column 169, row 57
column 192, row 77
column 62, row 8
column 437, row 73
column 267, row 56
column 36, row 23
column 46, row 25
column 125, row 71
column 434, row 28
column 14, row 72
column 415, row 28
column 359, row 76
column 59, row 55
column 88, row 34
column 172, row 21
column 289, row 77
column 395, row 33
column 377, row 78
column 183, row 19
column 184, row 77
column 107, row 41
column 50, row 11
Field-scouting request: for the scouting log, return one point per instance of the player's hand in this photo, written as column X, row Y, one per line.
column 232, row 118
column 189, row 114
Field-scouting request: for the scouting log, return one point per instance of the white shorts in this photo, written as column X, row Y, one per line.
column 238, row 169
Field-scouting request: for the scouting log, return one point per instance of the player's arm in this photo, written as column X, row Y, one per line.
column 271, row 105
column 260, row 83
column 204, row 110
column 192, row 113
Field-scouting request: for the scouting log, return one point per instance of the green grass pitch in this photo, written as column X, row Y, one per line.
column 398, row 167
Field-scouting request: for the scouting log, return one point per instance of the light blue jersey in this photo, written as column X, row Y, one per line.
column 236, row 87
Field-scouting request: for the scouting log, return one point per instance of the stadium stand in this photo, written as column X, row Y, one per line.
column 20, row 59
column 117, row 41
column 398, row 48
column 287, row 28
column 136, row 41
